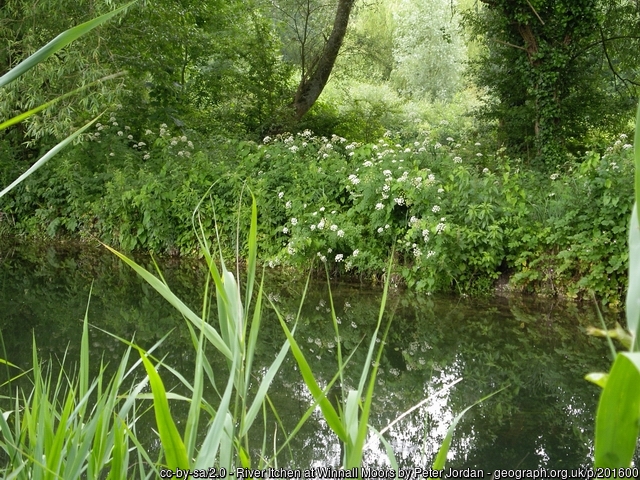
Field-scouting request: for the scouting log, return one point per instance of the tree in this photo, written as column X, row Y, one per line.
column 306, row 22
column 550, row 67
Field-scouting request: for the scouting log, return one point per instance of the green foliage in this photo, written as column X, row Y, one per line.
column 554, row 71
column 459, row 218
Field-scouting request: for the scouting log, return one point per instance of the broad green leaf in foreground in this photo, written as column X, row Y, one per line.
column 618, row 413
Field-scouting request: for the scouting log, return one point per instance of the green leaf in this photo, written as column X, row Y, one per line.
column 633, row 293
column 174, row 449
column 23, row 116
column 617, row 425
column 597, row 378
column 330, row 415
column 61, row 41
column 441, row 458
column 47, row 156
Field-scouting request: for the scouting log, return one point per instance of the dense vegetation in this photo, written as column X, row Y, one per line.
column 486, row 142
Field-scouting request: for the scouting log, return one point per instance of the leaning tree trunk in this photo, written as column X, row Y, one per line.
column 312, row 84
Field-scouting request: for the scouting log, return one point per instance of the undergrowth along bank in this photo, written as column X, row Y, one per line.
column 461, row 215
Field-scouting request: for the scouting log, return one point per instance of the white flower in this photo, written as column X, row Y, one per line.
column 435, row 209
column 340, row 233
column 437, row 145
column 477, row 144
column 146, row 157
column 322, row 209
column 294, row 221
column 339, row 257
column 120, row 133
column 399, row 200
column 380, row 230
column 181, row 153
column 413, row 220
column 173, row 142
column 554, row 176
column 354, row 179
column 623, row 136
column 355, row 252
column 183, row 138
column 115, row 124
column 334, row 227
column 312, row 227
column 626, row 146
column 285, row 230
column 407, row 150
column 449, row 139
column 287, row 205
column 368, row 163
column 425, row 234
column 422, row 149
column 387, row 173
column 293, row 148
column 164, row 125
column 478, row 154
column 321, row 224
column 353, row 325
column 440, row 228
column 430, row 254
column 280, row 194
column 386, row 226
column 485, row 170
column 325, row 155
column 141, row 144
column 386, row 188
column 441, row 190
column 457, row 160
column 130, row 137
column 148, row 132
column 431, row 177
column 417, row 252
column 379, row 206
column 112, row 154
column 267, row 139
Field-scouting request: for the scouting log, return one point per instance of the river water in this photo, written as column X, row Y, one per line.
column 448, row 349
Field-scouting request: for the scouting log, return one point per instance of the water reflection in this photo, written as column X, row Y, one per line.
column 452, row 351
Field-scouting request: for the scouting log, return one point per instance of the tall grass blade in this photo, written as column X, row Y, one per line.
column 58, row 43
column 441, row 458
column 212, row 335
column 23, row 116
column 172, row 445
column 633, row 292
column 330, row 415
column 47, row 156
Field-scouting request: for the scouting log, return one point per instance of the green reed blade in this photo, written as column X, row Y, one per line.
column 212, row 335
column 330, row 415
column 61, row 41
column 266, row 380
column 388, row 449
column 47, row 156
column 23, row 116
column 618, row 415
column 253, row 252
column 441, row 458
column 174, row 450
column 633, row 292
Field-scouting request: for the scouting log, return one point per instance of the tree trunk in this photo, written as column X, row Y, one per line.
column 312, row 83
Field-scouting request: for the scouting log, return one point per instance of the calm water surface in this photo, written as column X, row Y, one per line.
column 453, row 351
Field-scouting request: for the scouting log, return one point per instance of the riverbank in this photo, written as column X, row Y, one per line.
column 460, row 218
